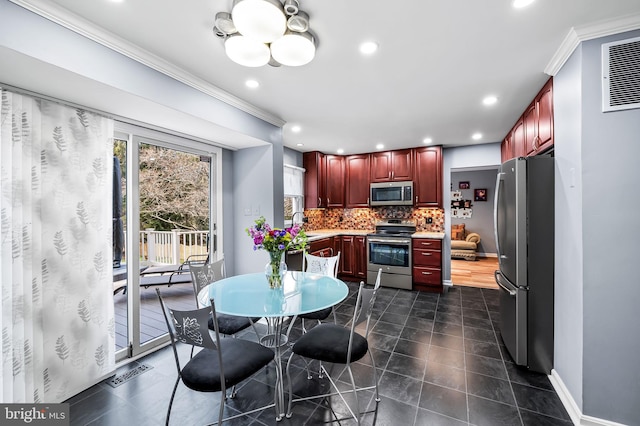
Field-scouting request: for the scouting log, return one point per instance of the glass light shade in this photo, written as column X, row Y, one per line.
column 246, row 51
column 263, row 20
column 294, row 49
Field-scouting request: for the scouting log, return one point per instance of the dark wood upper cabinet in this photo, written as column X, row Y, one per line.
column 392, row 166
column 357, row 181
column 533, row 132
column 428, row 177
column 544, row 101
column 315, row 190
column 335, row 180
column 517, row 139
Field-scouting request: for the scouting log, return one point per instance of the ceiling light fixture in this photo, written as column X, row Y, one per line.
column 427, row 140
column 340, row 151
column 296, row 129
column 518, row 4
column 260, row 32
column 379, row 146
column 252, row 84
column 490, row 100
column 368, row 47
column 476, row 136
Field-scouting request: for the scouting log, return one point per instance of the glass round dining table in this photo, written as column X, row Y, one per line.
column 249, row 295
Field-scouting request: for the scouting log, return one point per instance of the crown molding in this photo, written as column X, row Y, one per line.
column 79, row 25
column 582, row 33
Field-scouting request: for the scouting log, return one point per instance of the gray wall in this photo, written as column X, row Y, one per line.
column 481, row 220
column 602, row 149
column 459, row 158
column 292, row 157
column 568, row 313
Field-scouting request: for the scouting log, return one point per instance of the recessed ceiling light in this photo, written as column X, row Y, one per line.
column 476, row 136
column 379, row 146
column 368, row 47
column 296, row 129
column 117, row 1
column 521, row 3
column 490, row 100
column 427, row 140
column 340, row 151
column 252, row 84
column 299, row 144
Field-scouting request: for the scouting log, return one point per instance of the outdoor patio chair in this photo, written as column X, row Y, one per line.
column 336, row 344
column 219, row 364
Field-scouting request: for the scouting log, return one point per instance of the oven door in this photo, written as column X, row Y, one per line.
column 391, row 254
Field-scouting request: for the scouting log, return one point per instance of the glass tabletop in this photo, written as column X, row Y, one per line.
column 249, row 294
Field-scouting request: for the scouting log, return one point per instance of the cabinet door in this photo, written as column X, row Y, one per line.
column 357, row 181
column 314, row 180
column 518, row 139
column 506, row 149
column 381, row 166
column 544, row 101
column 360, row 258
column 335, row 180
column 530, row 123
column 428, row 177
column 347, row 255
column 401, row 165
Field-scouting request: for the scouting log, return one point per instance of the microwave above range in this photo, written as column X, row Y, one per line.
column 391, row 194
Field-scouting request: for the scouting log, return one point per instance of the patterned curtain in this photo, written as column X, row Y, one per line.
column 57, row 294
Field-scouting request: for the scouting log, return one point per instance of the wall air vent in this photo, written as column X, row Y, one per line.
column 621, row 75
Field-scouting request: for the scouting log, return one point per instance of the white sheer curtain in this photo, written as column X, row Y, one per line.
column 55, row 201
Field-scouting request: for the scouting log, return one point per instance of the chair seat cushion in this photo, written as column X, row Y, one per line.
column 330, row 343
column 463, row 245
column 240, row 358
column 231, row 324
column 317, row 315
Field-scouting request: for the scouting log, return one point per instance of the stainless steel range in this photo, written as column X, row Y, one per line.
column 389, row 248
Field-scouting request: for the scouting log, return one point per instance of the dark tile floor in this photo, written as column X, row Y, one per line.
column 439, row 357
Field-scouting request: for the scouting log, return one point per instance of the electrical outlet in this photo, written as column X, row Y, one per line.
column 428, row 220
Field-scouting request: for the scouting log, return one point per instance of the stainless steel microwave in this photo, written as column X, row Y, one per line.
column 391, row 194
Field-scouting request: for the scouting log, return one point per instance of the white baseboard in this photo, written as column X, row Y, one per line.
column 487, row 254
column 571, row 406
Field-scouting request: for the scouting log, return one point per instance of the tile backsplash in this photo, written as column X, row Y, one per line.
column 366, row 218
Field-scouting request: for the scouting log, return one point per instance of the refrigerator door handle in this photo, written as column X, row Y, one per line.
column 499, row 282
column 499, row 179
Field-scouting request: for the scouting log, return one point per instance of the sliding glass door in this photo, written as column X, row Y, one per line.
column 167, row 207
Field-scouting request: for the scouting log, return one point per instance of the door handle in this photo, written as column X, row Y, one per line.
column 508, row 290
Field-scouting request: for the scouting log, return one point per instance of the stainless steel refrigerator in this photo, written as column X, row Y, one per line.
column 524, row 232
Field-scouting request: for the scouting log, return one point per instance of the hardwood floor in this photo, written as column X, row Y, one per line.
column 478, row 273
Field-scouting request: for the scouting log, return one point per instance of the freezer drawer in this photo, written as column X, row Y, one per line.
column 513, row 319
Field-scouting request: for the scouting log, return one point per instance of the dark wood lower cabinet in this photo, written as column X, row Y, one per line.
column 427, row 264
column 353, row 256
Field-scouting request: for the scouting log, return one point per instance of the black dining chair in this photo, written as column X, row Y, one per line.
column 337, row 344
column 219, row 364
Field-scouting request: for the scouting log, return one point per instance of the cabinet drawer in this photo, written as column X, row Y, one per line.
column 427, row 258
column 426, row 275
column 427, row 244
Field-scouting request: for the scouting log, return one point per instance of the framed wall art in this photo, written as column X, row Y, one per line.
column 480, row 194
column 464, row 185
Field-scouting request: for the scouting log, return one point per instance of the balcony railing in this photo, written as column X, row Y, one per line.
column 172, row 247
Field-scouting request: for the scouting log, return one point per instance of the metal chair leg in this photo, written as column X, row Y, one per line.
column 375, row 375
column 173, row 394
column 355, row 394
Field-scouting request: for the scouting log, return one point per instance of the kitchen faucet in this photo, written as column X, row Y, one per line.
column 293, row 217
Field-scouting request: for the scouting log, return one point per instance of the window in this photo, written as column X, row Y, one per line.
column 293, row 193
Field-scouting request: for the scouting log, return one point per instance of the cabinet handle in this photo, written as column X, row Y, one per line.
column 426, row 244
column 319, row 201
column 426, row 254
column 328, row 201
column 393, row 174
column 367, row 200
column 389, row 174
column 426, row 273
column 535, row 143
column 416, row 198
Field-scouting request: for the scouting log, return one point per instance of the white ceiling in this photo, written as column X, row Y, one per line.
column 435, row 63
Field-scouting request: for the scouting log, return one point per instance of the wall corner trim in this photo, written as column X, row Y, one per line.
column 579, row 34
column 572, row 407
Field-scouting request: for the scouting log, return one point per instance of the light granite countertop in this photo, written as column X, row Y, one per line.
column 434, row 235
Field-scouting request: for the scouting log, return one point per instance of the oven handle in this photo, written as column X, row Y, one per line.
column 390, row 241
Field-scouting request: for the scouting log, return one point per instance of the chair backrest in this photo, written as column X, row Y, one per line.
column 189, row 327
column 205, row 274
column 364, row 304
column 322, row 265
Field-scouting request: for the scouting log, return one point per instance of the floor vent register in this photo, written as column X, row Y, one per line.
column 120, row 379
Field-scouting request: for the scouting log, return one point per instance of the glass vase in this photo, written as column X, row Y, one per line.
column 275, row 269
